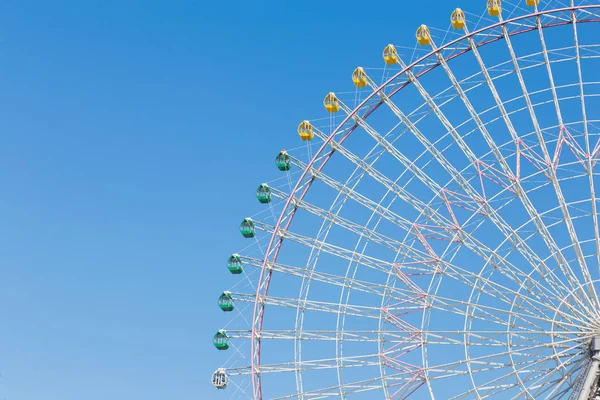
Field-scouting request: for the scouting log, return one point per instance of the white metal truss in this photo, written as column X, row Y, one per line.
column 443, row 240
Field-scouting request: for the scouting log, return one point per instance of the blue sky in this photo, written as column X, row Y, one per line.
column 133, row 136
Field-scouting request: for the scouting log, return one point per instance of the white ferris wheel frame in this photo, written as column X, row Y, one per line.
column 313, row 170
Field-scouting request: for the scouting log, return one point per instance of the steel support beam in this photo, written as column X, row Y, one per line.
column 590, row 385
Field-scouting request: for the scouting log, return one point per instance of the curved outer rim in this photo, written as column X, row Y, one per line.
column 275, row 244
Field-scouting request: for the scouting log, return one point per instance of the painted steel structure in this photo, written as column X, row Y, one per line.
column 498, row 186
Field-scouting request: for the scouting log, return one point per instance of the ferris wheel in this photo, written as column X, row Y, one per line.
column 436, row 234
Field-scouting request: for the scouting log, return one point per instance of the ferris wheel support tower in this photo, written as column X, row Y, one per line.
column 590, row 385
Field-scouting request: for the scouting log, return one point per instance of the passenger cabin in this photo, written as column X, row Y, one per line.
column 331, row 103
column 221, row 340
column 234, row 264
column 247, row 228
column 494, row 7
column 359, row 77
column 226, row 302
column 263, row 194
column 220, row 379
column 283, row 161
column 305, row 130
column 390, row 55
column 458, row 19
column 423, row 35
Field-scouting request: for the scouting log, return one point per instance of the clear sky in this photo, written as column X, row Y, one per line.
column 133, row 136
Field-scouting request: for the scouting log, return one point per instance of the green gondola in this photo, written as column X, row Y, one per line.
column 234, row 264
column 263, row 194
column 226, row 302
column 247, row 228
column 283, row 161
column 221, row 340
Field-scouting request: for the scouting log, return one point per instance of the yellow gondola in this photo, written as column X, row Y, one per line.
column 458, row 19
column 359, row 77
column 331, row 103
column 494, row 7
column 532, row 3
column 423, row 35
column 305, row 130
column 390, row 56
